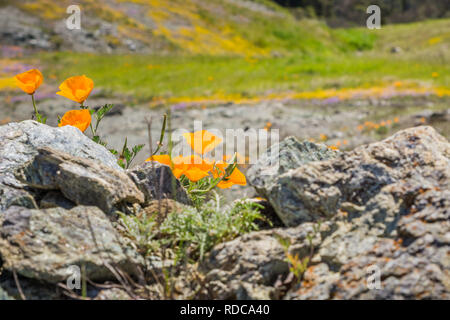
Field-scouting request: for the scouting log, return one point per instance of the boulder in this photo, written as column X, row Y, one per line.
column 83, row 181
column 10, row 196
column 318, row 189
column 19, row 143
column 156, row 182
column 43, row 244
column 384, row 232
column 282, row 157
column 249, row 266
column 55, row 199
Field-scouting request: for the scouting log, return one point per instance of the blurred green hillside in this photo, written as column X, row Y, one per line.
column 206, row 27
column 226, row 50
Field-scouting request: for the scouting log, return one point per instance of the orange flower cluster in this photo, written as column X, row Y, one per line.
column 75, row 88
column 338, row 144
column 202, row 141
column 369, row 125
column 195, row 167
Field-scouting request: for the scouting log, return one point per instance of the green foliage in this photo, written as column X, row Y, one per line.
column 198, row 230
column 356, row 39
column 40, row 118
column 193, row 232
column 127, row 156
column 297, row 265
column 351, row 12
column 141, row 231
column 198, row 191
column 99, row 115
column 161, row 136
column 297, row 71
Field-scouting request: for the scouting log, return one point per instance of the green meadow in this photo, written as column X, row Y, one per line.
column 350, row 58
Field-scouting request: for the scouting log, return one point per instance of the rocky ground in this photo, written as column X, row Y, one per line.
column 378, row 212
column 331, row 121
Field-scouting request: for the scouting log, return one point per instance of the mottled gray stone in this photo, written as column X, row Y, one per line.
column 4, row 295
column 19, row 143
column 156, row 181
column 113, row 294
column 390, row 211
column 282, row 157
column 402, row 229
column 42, row 244
column 249, row 266
column 80, row 180
column 318, row 189
column 55, row 199
column 10, row 196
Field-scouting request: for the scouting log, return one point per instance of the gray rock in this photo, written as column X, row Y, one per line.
column 32, row 289
column 82, row 181
column 10, row 196
column 391, row 214
column 4, row 295
column 19, row 143
column 55, row 199
column 249, row 266
column 280, row 158
column 113, row 294
column 18, row 28
column 42, row 244
column 319, row 189
column 402, row 230
column 156, row 181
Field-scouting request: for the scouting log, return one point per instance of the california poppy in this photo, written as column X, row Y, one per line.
column 29, row 81
column 76, row 88
column 193, row 167
column 236, row 177
column 202, row 141
column 76, row 118
column 162, row 158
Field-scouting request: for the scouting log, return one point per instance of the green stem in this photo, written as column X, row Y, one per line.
column 34, row 105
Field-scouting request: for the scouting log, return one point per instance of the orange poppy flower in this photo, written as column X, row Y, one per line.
column 76, row 118
column 162, row 158
column 193, row 167
column 236, row 177
column 239, row 158
column 202, row 141
column 76, row 88
column 29, row 81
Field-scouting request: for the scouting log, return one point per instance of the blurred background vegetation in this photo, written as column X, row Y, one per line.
column 229, row 50
column 345, row 13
